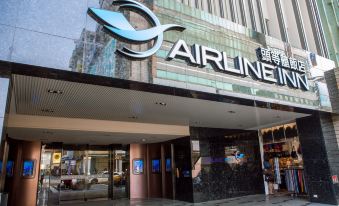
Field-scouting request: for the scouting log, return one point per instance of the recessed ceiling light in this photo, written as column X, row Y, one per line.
column 133, row 117
column 161, row 103
column 196, row 123
column 144, row 140
column 47, row 110
column 51, row 91
column 231, row 112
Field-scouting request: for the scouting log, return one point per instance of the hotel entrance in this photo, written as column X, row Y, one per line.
column 92, row 142
column 74, row 174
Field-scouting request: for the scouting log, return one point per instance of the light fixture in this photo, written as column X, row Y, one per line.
column 144, row 140
column 47, row 110
column 164, row 104
column 196, row 123
column 51, row 91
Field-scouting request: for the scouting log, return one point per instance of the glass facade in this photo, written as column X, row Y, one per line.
column 78, row 174
column 61, row 35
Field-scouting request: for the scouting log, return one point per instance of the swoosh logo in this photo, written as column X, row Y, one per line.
column 116, row 24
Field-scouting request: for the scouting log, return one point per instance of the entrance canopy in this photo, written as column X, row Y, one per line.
column 53, row 110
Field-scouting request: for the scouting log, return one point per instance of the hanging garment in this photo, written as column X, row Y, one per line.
column 295, row 181
column 277, row 171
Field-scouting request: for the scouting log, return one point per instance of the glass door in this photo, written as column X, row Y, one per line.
column 97, row 174
column 73, row 184
column 44, row 176
column 121, row 173
column 75, row 174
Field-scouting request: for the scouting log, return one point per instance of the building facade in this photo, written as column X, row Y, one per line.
column 329, row 17
column 181, row 99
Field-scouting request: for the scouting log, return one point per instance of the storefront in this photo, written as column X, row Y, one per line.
column 283, row 162
column 188, row 106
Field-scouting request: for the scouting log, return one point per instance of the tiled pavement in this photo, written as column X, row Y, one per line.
column 253, row 200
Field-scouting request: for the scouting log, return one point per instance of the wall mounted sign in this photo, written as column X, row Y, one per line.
column 138, row 166
column 272, row 66
column 10, row 168
column 28, row 168
column 156, row 166
column 168, row 165
column 116, row 24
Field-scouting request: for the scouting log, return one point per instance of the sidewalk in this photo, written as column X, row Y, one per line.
column 252, row 200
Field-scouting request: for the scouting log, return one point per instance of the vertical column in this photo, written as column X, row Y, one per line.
column 138, row 182
column 243, row 15
column 281, row 19
column 262, row 19
column 316, row 26
column 320, row 150
column 4, row 107
column 163, row 170
column 110, row 172
column 23, row 189
column 300, row 24
column 173, row 171
column 261, row 148
column 154, row 175
column 252, row 14
column 321, row 29
column 233, row 11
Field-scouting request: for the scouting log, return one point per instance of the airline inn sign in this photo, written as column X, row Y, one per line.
column 273, row 66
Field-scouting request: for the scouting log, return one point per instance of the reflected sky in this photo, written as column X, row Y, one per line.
column 46, row 33
column 4, row 84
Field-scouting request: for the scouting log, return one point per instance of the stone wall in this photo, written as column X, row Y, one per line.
column 319, row 146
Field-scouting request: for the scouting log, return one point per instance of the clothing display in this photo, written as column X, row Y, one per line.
column 277, row 176
column 295, row 181
column 283, row 153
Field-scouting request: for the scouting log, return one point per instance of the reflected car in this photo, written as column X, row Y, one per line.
column 102, row 178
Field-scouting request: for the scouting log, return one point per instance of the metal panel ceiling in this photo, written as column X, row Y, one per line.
column 87, row 101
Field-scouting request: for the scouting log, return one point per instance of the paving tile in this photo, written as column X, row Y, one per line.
column 253, row 200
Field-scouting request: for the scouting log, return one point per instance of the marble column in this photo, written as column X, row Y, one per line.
column 319, row 146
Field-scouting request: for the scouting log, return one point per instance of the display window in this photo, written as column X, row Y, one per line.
column 283, row 161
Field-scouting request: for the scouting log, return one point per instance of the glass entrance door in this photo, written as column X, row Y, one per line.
column 120, row 174
column 74, row 170
column 71, row 174
column 97, row 174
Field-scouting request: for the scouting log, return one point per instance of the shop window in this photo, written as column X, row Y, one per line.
column 283, row 160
